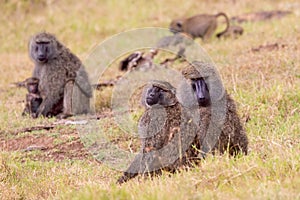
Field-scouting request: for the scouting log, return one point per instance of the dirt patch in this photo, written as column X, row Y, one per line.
column 46, row 147
column 260, row 16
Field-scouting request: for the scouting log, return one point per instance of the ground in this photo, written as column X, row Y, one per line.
column 49, row 159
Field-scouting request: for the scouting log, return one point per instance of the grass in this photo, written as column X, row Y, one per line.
column 265, row 84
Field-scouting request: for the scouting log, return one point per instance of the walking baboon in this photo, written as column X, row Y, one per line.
column 203, row 25
column 61, row 74
column 160, row 129
column 233, row 137
column 232, row 31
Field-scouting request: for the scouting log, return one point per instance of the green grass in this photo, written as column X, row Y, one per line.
column 265, row 84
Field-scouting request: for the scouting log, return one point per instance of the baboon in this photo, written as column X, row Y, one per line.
column 138, row 59
column 157, row 130
column 61, row 75
column 202, row 25
column 232, row 31
column 233, row 137
column 33, row 98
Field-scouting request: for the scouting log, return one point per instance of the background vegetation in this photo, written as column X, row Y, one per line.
column 264, row 82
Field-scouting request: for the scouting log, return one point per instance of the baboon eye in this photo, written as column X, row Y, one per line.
column 46, row 49
column 36, row 48
column 194, row 86
column 179, row 25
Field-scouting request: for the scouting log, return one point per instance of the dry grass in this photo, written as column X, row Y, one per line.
column 265, row 83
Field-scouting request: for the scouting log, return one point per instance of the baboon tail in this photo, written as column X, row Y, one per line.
column 227, row 23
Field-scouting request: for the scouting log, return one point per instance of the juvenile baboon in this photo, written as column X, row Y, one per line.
column 138, row 59
column 232, row 31
column 203, row 25
column 62, row 76
column 33, row 98
column 233, row 137
column 157, row 129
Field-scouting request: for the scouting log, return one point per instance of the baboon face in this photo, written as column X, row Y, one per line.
column 42, row 51
column 154, row 95
column 160, row 94
column 201, row 91
column 42, row 47
column 176, row 26
column 32, row 85
column 33, row 88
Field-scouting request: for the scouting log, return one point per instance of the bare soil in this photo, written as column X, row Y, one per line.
column 46, row 147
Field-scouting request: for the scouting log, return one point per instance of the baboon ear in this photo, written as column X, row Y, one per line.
column 179, row 24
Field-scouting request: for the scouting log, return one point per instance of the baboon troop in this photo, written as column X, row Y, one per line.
column 62, row 77
column 232, row 137
column 202, row 25
column 170, row 136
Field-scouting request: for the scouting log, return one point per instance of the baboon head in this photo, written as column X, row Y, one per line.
column 32, row 85
column 198, row 85
column 160, row 93
column 176, row 26
column 43, row 47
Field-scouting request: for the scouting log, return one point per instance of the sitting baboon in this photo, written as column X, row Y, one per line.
column 61, row 75
column 232, row 31
column 203, row 25
column 160, row 129
column 233, row 137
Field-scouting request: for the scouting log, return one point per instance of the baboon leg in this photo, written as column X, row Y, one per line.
column 210, row 30
column 80, row 102
column 26, row 110
column 67, row 101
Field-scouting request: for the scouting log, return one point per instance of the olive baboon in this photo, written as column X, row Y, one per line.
column 232, row 31
column 138, row 59
column 62, row 76
column 33, row 98
column 233, row 137
column 157, row 131
column 202, row 25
